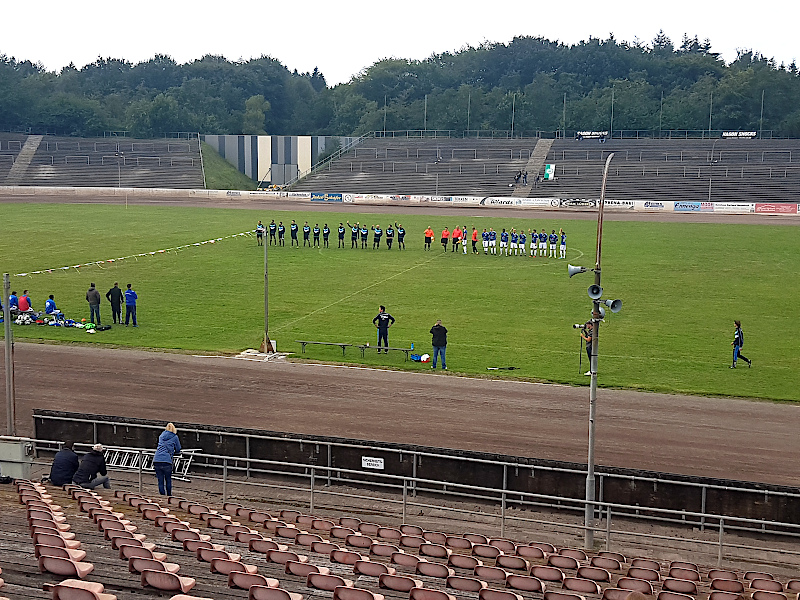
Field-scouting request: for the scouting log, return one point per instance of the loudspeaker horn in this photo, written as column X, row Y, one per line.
column 602, row 311
column 573, row 270
column 595, row 291
column 614, row 305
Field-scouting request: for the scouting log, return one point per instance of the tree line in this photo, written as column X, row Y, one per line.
column 529, row 84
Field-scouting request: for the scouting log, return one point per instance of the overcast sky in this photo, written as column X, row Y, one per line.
column 341, row 38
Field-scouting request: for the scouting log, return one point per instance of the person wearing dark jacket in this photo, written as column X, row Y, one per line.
column 168, row 446
column 114, row 296
column 439, row 342
column 92, row 470
column 64, row 466
column 93, row 298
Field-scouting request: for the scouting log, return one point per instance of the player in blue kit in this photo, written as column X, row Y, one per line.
column 341, row 231
column 522, row 239
column 562, row 251
column 316, row 231
column 543, row 243
column 272, row 229
column 553, row 242
column 377, row 233
column 326, row 232
column 401, row 237
column 260, row 233
column 485, row 239
column 354, row 229
column 503, row 242
column 364, row 236
column 306, row 233
column 493, row 240
column 281, row 234
column 293, row 233
column 389, row 236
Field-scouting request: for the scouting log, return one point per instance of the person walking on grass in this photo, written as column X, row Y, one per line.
column 439, row 342
column 130, row 306
column 168, row 446
column 737, row 343
column 93, row 298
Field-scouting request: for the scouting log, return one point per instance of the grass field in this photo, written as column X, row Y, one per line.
column 682, row 285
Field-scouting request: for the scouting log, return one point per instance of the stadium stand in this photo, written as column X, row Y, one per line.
column 100, row 162
column 229, row 565
column 642, row 169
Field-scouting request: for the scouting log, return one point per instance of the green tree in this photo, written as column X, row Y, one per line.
column 255, row 110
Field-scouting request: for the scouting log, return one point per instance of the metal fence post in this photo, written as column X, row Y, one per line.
column 608, row 528
column 721, row 534
column 405, row 498
column 141, row 457
column 311, row 489
column 503, row 502
column 224, row 479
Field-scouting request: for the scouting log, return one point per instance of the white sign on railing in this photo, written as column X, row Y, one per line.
column 371, row 462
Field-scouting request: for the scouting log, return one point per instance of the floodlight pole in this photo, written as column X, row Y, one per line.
column 590, row 484
column 266, row 345
column 10, row 392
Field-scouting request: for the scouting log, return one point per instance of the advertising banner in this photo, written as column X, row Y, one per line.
column 326, row 197
column 653, row 206
column 776, row 208
column 737, row 208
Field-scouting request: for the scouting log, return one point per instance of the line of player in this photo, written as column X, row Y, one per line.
column 512, row 243
column 311, row 235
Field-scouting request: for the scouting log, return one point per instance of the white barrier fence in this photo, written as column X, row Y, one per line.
column 545, row 203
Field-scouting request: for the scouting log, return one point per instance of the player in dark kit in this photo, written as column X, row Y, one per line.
column 401, row 236
column 316, row 231
column 326, row 232
column 364, row 236
column 354, row 229
column 389, row 237
column 293, row 234
column 260, row 233
column 341, row 231
column 281, row 234
column 306, row 233
column 383, row 321
column 272, row 229
column 377, row 233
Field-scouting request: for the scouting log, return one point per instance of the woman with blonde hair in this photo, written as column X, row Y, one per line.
column 168, row 446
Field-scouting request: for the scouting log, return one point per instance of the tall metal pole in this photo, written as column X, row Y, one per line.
column 761, row 119
column 711, row 169
column 10, row 391
column 611, row 132
column 590, row 485
column 266, row 346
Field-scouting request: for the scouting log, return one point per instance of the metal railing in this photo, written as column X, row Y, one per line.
column 326, row 161
column 241, row 471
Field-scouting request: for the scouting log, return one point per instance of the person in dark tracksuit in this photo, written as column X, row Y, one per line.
column 65, row 464
column 114, row 297
column 354, row 229
column 273, row 228
column 737, row 343
column 293, row 233
column 92, row 470
column 341, row 231
column 383, row 321
column 401, row 236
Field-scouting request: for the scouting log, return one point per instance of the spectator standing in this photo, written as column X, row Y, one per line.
column 439, row 342
column 65, row 465
column 93, row 298
column 168, row 446
column 587, row 334
column 114, row 297
column 92, row 470
column 383, row 321
column 130, row 306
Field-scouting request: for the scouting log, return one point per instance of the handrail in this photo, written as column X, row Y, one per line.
column 202, row 165
column 340, row 152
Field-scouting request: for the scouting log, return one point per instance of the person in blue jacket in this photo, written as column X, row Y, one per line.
column 65, row 464
column 168, row 446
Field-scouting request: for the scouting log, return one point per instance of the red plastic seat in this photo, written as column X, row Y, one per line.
column 358, row 540
column 381, row 549
column 562, row 562
column 240, row 579
column 75, row 589
column 170, row 582
column 525, row 583
column 424, row 593
column 434, row 550
column 615, row 594
column 720, row 595
column 432, row 569
column 64, row 567
column 372, row 569
column 722, row 574
column 769, row 585
column 462, row 561
column 281, row 556
column 303, row 569
column 732, row 586
column 227, row 566
column 48, row 539
column 351, row 593
column 58, row 551
column 562, row 596
column 595, row 574
column 605, row 562
column 127, row 552
column 547, row 573
column 465, row 584
column 490, row 594
column 264, row 545
column 582, row 586
column 327, row 583
column 532, row 552
column 646, row 563
column 405, row 560
column 644, row 573
column 667, row 595
column 324, row 547
column 683, row 573
column 575, row 553
column 368, row 528
column 398, row 583
column 632, row 584
column 138, row 564
column 490, row 573
column 346, row 557
column 517, row 563
column 259, row 592
column 389, row 533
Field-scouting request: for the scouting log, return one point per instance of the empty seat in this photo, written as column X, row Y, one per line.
column 580, row 585
column 346, row 557
column 179, row 535
column 461, row 561
column 769, row 585
column 757, row 575
column 322, row 524
column 226, row 566
column 575, row 553
column 398, row 583
column 722, row 574
column 127, row 552
column 281, row 556
column 424, row 593
column 490, row 594
column 303, row 569
column 389, row 533
column 351, row 593
column 368, row 528
column 477, row 538
column 118, row 542
column 562, row 596
column 380, row 549
column 244, row 537
column 458, row 543
column 64, row 567
column 731, row 586
column 307, row 539
column 260, row 592
column 679, row 564
column 530, row 552
column 525, row 583
column 75, row 589
column 405, row 560
column 465, row 584
column 289, row 532
column 193, row 545
column 162, row 580
column 486, row 551
column 412, row 541
column 544, row 547
column 768, row 595
column 643, row 573
column 290, row 516
column 304, row 520
column 434, row 550
column 562, row 562
column 606, row 562
column 412, row 530
column 490, row 573
column 667, row 595
column 232, row 529
column 137, row 564
column 793, row 585
column 209, row 554
column 358, row 540
column 258, row 516
column 58, row 551
column 435, row 537
column 720, row 595
column 682, row 586
column 646, row 563
column 432, row 569
column 615, row 594
column 506, row 546
column 683, row 573
column 324, row 547
column 595, row 574
column 372, row 569
column 326, row 582
column 547, row 573
column 633, row 584
column 517, row 563
column 349, row 522
column 263, row 545
column 232, row 507
column 341, row 532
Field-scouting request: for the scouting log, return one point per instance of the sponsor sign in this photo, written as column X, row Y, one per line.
column 782, row 208
column 230, row 193
column 498, row 202
column 539, row 202
column 734, row 207
column 578, row 203
column 591, row 135
column 652, row 205
column 400, row 198
column 687, row 207
column 739, row 134
column 371, row 462
column 347, row 198
column 305, row 195
column 622, row 204
column 326, row 197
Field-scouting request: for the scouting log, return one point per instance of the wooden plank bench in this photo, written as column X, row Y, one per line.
column 364, row 348
column 342, row 345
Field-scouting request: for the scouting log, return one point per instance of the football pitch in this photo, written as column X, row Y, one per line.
column 682, row 284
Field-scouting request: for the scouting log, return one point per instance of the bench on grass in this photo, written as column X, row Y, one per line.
column 342, row 345
column 364, row 348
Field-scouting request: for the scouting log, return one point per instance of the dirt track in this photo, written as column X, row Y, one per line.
column 736, row 439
